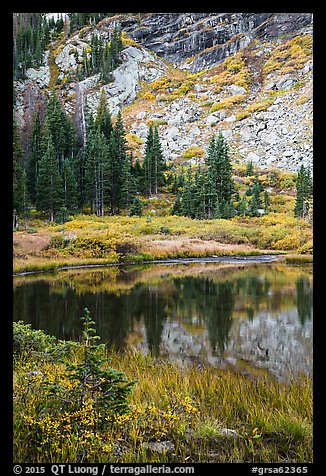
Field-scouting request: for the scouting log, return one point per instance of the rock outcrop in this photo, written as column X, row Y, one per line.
column 210, row 36
column 277, row 130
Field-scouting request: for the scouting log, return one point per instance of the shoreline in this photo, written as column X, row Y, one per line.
column 234, row 258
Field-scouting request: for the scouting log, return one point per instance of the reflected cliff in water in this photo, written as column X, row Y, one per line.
column 246, row 317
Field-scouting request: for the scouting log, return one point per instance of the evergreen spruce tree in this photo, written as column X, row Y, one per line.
column 154, row 164
column 137, row 173
column 303, row 192
column 220, row 170
column 69, row 182
column 136, row 207
column 49, row 182
column 242, row 205
column 62, row 130
column 177, row 205
column 198, row 195
column 97, row 184
column 103, row 117
column 128, row 184
column 249, row 169
column 187, row 196
column 107, row 64
column 256, row 201
column 19, row 177
column 211, row 195
column 34, row 158
column 117, row 167
column 148, row 161
column 267, row 201
column 158, row 161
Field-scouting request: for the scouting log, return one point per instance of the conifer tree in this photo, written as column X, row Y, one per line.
column 49, row 182
column 177, row 205
column 19, row 177
column 249, row 169
column 128, row 184
column 220, row 170
column 267, row 201
column 159, row 164
column 187, row 196
column 242, row 205
column 303, row 192
column 256, row 201
column 34, row 158
column 147, row 164
column 69, row 182
column 137, row 173
column 62, row 130
column 198, row 191
column 97, row 186
column 154, row 164
column 136, row 207
column 210, row 195
column 103, row 117
column 117, row 163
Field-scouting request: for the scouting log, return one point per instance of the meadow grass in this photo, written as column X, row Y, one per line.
column 87, row 239
column 188, row 410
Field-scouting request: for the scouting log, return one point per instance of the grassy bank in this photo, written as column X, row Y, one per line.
column 89, row 239
column 175, row 414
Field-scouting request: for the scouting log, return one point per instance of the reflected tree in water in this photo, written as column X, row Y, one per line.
column 212, row 303
column 304, row 299
column 154, row 315
column 202, row 301
column 220, row 316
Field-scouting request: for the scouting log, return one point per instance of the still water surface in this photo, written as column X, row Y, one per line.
column 252, row 318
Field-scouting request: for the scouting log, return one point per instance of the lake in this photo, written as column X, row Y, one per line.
column 254, row 318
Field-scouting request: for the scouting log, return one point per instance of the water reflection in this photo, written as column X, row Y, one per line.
column 215, row 313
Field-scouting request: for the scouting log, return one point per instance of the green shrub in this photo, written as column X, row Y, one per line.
column 165, row 230
column 27, row 340
column 57, row 241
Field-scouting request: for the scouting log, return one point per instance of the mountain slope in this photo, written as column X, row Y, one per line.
column 192, row 74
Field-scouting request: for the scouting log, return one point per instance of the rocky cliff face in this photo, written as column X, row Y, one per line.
column 210, row 36
column 193, row 74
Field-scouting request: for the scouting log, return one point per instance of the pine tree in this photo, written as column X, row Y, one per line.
column 255, row 202
column 136, row 207
column 187, row 196
column 62, row 130
column 97, row 185
column 242, row 205
column 147, row 164
column 49, row 183
column 117, row 163
column 103, row 117
column 19, row 177
column 223, row 168
column 220, row 170
column 128, row 184
column 154, row 164
column 303, row 192
column 198, row 195
column 210, row 195
column 158, row 164
column 267, row 201
column 69, row 182
column 177, row 205
column 34, row 158
column 137, row 173
column 249, row 169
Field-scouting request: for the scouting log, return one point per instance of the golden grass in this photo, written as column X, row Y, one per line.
column 186, row 406
column 86, row 238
